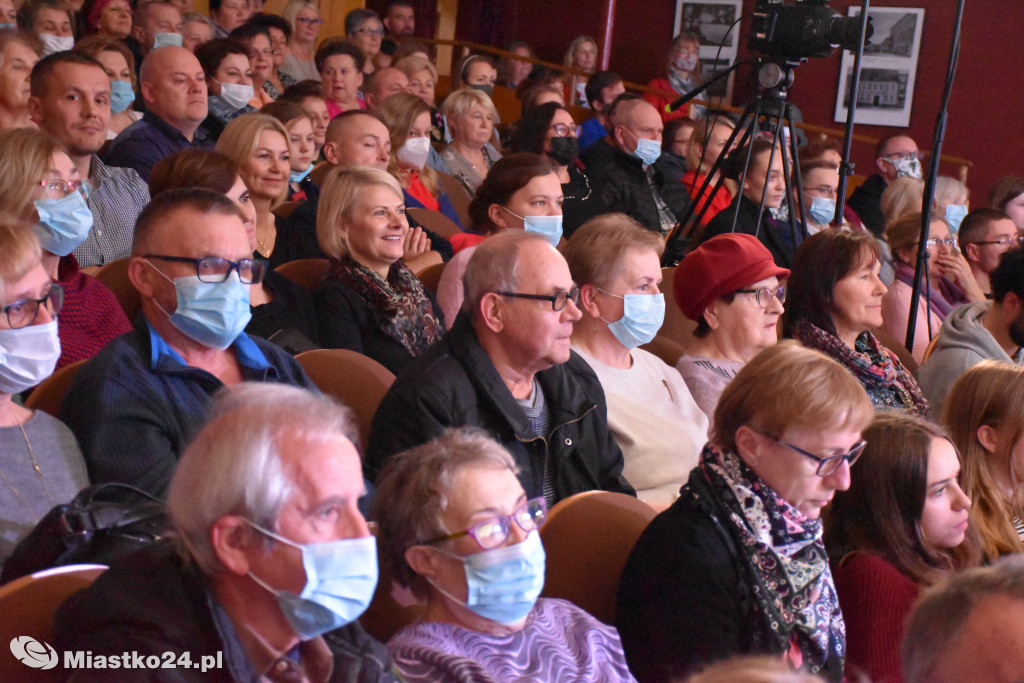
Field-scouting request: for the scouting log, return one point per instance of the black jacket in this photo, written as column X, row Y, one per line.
column 866, row 200
column 625, row 189
column 776, row 236
column 455, row 384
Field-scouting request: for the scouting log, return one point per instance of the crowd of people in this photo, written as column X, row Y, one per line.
column 829, row 503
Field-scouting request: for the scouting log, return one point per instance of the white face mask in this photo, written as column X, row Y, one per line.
column 28, row 355
column 52, row 43
column 236, row 95
column 415, row 152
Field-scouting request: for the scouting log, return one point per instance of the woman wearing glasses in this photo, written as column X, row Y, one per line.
column 40, row 463
column 42, row 187
column 730, row 287
column 305, row 19
column 835, row 299
column 737, row 564
column 369, row 300
column 549, row 130
column 901, row 526
column 947, row 284
column 457, row 530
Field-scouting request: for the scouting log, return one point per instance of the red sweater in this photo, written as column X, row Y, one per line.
column 91, row 316
column 875, row 598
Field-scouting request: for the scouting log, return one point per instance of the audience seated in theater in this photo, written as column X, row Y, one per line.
column 309, row 96
column 8, row 14
column 675, row 142
column 153, row 20
column 364, row 29
column 682, row 74
column 830, row 150
column 968, row 628
column 19, row 52
column 475, row 72
column 602, row 89
column 948, row 284
column 992, row 330
column 229, row 83
column 256, row 41
column 279, row 307
column 707, row 145
column 135, row 406
column 512, row 72
column 107, row 19
column 196, row 29
column 382, row 84
column 280, row 31
column 521, row 193
column 227, row 15
column 730, row 287
column 50, row 21
column 737, row 564
column 764, row 180
column 598, row 156
column 984, row 236
column 305, row 19
column 42, row 188
column 549, row 130
column 654, row 419
column 951, row 201
column 902, row 525
column 582, row 55
column 408, row 119
column 984, row 414
column 340, row 64
column 632, row 184
column 173, row 88
column 71, row 101
column 470, row 115
column 399, row 19
column 456, row 527
column 302, row 146
column 266, row 493
column 752, row 669
column 370, row 301
column 119, row 66
column 835, row 300
column 896, row 156
column 1007, row 195
column 506, row 366
column 422, row 77
column 41, row 464
column 820, row 184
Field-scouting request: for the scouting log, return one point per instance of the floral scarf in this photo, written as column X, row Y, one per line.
column 782, row 548
column 888, row 383
column 403, row 308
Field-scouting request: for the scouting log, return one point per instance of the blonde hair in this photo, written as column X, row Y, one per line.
column 570, row 54
column 19, row 250
column 457, row 104
column 241, row 137
column 292, row 9
column 700, row 136
column 950, row 191
column 902, row 196
column 596, row 250
column 991, row 393
column 398, row 112
column 788, row 386
column 414, row 65
column 339, row 195
column 25, row 156
column 905, row 232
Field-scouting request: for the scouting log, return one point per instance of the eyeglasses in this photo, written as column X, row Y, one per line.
column 558, row 300
column 23, row 313
column 908, row 155
column 370, row 31
column 564, row 131
column 55, row 188
column 254, row 54
column 825, row 190
column 1016, row 240
column 213, row 269
column 309, row 22
column 763, row 295
column 936, row 241
column 492, row 532
column 832, row 463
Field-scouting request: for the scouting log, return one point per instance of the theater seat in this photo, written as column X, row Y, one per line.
column 305, row 272
column 50, row 392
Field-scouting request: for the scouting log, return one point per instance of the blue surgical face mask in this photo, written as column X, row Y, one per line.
column 823, row 210
column 63, row 223
column 341, row 577
column 955, row 214
column 211, row 313
column 166, row 39
column 299, row 176
column 642, row 317
column 504, row 583
column 548, row 227
column 121, row 96
column 6, row 26
column 647, row 151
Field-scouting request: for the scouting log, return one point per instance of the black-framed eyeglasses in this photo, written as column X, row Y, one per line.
column 213, row 269
column 1016, row 240
column 763, row 295
column 23, row 313
column 558, row 300
column 832, row 463
column 492, row 532
column 936, row 241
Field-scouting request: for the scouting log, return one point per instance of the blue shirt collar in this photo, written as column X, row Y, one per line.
column 248, row 353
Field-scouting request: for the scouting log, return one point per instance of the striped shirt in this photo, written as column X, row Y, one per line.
column 115, row 204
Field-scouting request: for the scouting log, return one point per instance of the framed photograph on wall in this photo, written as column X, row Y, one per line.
column 711, row 20
column 888, row 69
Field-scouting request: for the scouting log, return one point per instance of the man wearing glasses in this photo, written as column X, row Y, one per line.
column 983, row 330
column 895, row 156
column 506, row 367
column 820, row 184
column 985, row 235
column 136, row 404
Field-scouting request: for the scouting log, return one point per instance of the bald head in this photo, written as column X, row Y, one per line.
column 173, row 86
column 357, row 137
column 635, row 119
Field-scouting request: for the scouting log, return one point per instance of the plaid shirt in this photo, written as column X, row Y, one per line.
column 115, row 205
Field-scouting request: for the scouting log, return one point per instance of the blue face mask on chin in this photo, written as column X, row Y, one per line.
column 341, row 577
column 63, row 223
column 642, row 317
column 299, row 176
column 211, row 313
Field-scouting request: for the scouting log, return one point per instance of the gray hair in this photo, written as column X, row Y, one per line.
column 415, row 489
column 493, row 267
column 942, row 611
column 236, row 466
column 459, row 102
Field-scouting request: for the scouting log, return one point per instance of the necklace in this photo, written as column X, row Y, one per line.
column 585, row 180
column 261, row 244
column 35, row 466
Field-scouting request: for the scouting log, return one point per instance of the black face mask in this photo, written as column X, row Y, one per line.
column 564, row 150
column 486, row 89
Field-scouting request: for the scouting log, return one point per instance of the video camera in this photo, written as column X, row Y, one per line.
column 808, row 28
